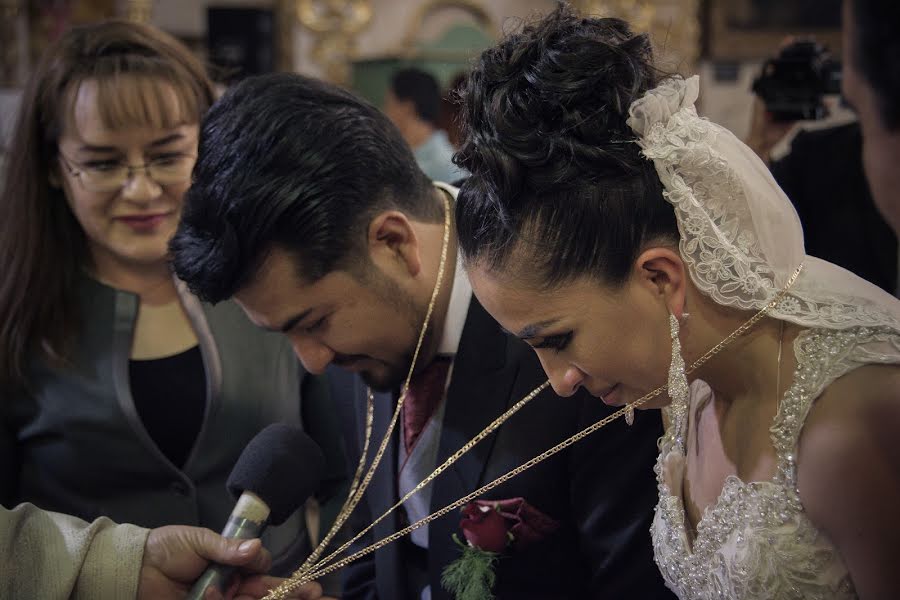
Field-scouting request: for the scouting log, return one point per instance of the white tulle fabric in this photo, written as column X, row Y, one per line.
column 740, row 235
column 742, row 241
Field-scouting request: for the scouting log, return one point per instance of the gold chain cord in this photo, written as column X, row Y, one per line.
column 450, row 460
column 357, row 488
column 310, row 573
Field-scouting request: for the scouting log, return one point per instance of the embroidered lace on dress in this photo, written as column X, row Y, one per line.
column 756, row 540
column 742, row 241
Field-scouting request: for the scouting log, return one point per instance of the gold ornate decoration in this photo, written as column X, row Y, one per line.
column 336, row 23
column 673, row 25
column 408, row 46
column 312, row 570
column 139, row 11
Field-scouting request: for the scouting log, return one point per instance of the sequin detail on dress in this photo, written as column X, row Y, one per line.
column 756, row 541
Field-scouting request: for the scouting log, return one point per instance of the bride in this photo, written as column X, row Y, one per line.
column 634, row 244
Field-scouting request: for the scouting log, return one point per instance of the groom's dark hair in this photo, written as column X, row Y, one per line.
column 559, row 188
column 294, row 163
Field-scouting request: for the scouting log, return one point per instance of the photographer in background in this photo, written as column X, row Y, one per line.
column 822, row 173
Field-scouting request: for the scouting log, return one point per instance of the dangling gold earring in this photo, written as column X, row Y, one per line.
column 629, row 415
column 677, row 383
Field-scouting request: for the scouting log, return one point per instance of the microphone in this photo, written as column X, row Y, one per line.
column 278, row 470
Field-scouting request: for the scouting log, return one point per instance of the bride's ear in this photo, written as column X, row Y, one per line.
column 663, row 273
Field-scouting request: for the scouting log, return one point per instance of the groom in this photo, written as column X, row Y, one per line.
column 309, row 209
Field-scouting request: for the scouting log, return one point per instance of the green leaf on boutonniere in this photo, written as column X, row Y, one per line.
column 471, row 576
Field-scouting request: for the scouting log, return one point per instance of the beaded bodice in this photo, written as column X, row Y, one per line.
column 756, row 541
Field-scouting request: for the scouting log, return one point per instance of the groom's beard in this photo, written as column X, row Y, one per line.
column 389, row 378
column 390, row 375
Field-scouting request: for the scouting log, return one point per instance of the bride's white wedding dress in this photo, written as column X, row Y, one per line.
column 741, row 241
column 756, row 541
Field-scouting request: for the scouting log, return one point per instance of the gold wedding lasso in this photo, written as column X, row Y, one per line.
column 311, row 570
column 357, row 487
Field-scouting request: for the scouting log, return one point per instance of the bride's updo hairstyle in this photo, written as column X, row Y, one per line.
column 558, row 188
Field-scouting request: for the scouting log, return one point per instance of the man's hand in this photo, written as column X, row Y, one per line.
column 175, row 556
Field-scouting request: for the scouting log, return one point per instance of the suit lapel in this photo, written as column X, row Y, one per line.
column 382, row 491
column 479, row 392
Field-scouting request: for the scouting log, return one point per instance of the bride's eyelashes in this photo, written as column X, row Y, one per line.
column 554, row 342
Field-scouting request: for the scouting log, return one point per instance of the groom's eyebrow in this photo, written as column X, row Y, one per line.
column 290, row 323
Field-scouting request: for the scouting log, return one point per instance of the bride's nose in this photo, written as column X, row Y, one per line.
column 566, row 380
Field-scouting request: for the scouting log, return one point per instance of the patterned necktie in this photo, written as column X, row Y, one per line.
column 424, row 395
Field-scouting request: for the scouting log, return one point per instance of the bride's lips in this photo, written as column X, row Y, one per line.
column 609, row 396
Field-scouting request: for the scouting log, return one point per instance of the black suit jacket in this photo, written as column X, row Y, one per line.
column 602, row 490
column 823, row 176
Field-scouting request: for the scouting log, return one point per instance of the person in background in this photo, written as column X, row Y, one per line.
column 871, row 85
column 413, row 104
column 121, row 394
column 822, row 174
column 50, row 555
column 824, row 179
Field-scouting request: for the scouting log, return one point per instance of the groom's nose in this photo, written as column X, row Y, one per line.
column 314, row 355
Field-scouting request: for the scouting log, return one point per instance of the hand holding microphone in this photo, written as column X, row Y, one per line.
column 174, row 556
column 275, row 474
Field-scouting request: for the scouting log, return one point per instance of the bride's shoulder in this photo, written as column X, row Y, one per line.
column 848, row 467
column 852, row 429
column 863, row 404
column 862, row 397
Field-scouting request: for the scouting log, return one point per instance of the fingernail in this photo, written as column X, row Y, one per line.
column 245, row 547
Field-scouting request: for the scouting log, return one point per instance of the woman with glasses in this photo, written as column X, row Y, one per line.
column 121, row 395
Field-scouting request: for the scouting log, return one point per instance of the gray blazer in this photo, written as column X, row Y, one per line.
column 75, row 444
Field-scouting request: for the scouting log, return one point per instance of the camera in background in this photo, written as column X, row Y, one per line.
column 793, row 84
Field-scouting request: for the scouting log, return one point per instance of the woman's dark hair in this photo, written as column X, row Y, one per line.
column 294, row 163
column 559, row 188
column 42, row 242
column 876, row 53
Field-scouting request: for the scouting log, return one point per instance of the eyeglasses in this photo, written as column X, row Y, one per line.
column 111, row 175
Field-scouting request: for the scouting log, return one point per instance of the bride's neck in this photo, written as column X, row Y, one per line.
column 748, row 366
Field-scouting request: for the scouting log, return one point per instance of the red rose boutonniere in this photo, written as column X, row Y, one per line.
column 491, row 527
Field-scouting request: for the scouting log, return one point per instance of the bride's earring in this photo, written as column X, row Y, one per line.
column 677, row 384
column 629, row 415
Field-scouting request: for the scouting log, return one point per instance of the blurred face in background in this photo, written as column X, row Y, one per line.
column 881, row 146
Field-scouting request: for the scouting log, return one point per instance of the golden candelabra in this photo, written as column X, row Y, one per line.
column 335, row 23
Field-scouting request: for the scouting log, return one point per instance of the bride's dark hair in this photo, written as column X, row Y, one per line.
column 558, row 187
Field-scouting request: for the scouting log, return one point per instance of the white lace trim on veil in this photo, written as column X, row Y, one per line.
column 740, row 236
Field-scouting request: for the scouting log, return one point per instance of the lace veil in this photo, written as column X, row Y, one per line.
column 740, row 235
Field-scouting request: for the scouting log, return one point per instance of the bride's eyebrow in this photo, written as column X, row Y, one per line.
column 533, row 330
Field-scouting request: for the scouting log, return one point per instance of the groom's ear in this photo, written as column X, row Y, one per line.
column 662, row 272
column 393, row 244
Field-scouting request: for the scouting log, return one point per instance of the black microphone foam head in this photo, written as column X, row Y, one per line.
column 282, row 465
